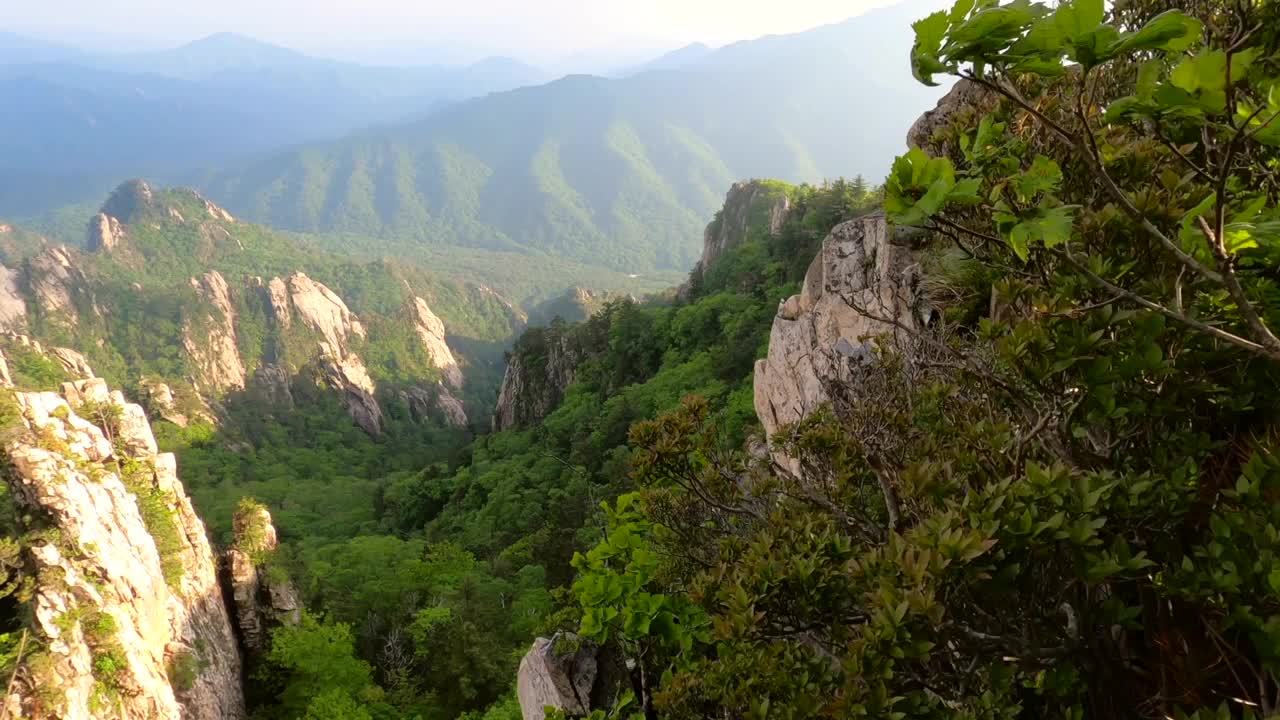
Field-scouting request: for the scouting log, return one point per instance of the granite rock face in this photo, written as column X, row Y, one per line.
column 321, row 310
column 530, row 392
column 965, row 95
column 347, row 374
column 111, row 581
column 861, row 284
column 430, row 329
column 210, row 340
column 745, row 204
column 105, row 233
column 750, row 205
column 13, row 306
column 562, row 678
column 56, row 283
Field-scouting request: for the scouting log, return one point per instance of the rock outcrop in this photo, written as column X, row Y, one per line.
column 264, row 599
column 531, row 390
column 437, row 403
column 13, row 306
column 73, row 362
column 348, row 375
column 569, row 674
column 210, row 340
column 56, row 283
column 127, row 591
column 861, row 284
column 273, row 383
column 430, row 329
column 321, row 310
column 278, row 301
column 745, row 206
column 105, row 233
column 964, row 96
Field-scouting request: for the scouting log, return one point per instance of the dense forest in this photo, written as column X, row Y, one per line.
column 429, row 574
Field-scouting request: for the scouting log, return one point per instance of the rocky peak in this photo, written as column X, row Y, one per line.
column 430, row 329
column 535, row 380
column 129, row 201
column 210, row 339
column 264, row 596
column 129, row 601
column 818, row 333
column 105, row 233
column 749, row 204
column 321, row 310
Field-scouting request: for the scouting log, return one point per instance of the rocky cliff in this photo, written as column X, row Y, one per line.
column 128, row 618
column 543, row 364
column 862, row 283
column 162, row 293
column 209, row 336
column 750, row 207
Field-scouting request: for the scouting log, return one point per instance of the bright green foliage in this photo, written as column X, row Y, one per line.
column 1056, row 503
column 612, row 584
column 317, row 660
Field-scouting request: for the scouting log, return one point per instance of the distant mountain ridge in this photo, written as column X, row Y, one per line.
column 82, row 122
column 613, row 172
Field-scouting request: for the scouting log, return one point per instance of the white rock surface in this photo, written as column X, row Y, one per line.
column 817, row 333
column 430, row 329
column 109, row 564
column 54, row 281
column 547, row 678
column 320, row 309
column 210, row 340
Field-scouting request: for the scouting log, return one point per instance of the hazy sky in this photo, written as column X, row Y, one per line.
column 399, row 30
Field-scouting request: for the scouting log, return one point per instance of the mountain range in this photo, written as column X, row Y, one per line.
column 616, row 173
column 83, row 122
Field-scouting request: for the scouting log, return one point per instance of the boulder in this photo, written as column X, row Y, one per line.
column 558, row 677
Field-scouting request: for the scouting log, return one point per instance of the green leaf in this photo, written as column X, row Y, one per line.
column 988, row 30
column 966, row 192
column 1148, row 78
column 1043, row 176
column 1077, row 18
column 1171, row 31
column 925, row 62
